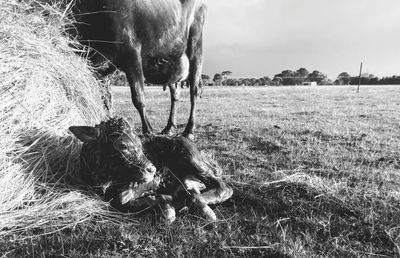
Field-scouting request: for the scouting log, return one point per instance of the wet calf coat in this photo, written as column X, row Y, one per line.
column 194, row 177
column 112, row 159
column 120, row 167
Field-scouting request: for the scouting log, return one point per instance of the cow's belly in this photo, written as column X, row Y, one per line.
column 166, row 70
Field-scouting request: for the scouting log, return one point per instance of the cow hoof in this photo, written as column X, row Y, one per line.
column 168, row 131
column 189, row 136
column 148, row 134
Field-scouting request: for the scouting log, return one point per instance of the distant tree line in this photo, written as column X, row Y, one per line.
column 287, row 77
column 300, row 77
column 224, row 79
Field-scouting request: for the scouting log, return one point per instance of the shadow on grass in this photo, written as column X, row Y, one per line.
column 287, row 212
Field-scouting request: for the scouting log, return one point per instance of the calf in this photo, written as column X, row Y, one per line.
column 120, row 167
column 112, row 159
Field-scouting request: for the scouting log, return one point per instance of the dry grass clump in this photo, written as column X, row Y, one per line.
column 45, row 88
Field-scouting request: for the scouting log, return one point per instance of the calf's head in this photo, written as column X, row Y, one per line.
column 112, row 151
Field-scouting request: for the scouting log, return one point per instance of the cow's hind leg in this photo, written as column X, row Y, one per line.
column 106, row 97
column 212, row 196
column 202, row 207
column 171, row 125
column 217, row 192
column 188, row 196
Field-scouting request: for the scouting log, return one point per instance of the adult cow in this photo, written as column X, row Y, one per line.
column 152, row 40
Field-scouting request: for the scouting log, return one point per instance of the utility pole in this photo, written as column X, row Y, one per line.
column 359, row 79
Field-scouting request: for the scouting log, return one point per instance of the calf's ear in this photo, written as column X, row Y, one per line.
column 85, row 133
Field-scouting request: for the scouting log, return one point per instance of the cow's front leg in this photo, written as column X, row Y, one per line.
column 163, row 201
column 195, row 55
column 137, row 95
column 134, row 73
column 171, row 125
column 106, row 97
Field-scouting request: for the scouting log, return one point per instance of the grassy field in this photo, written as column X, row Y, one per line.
column 316, row 173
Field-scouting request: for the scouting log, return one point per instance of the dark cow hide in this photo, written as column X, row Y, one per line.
column 152, row 40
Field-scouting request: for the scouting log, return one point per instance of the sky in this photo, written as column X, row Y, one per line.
column 255, row 38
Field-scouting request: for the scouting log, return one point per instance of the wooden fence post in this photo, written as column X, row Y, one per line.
column 359, row 78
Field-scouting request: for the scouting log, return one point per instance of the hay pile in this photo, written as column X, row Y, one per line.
column 45, row 88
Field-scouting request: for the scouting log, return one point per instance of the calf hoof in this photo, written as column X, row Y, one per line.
column 209, row 213
column 169, row 215
column 204, row 210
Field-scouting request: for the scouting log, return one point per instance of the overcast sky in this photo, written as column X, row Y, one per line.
column 263, row 37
